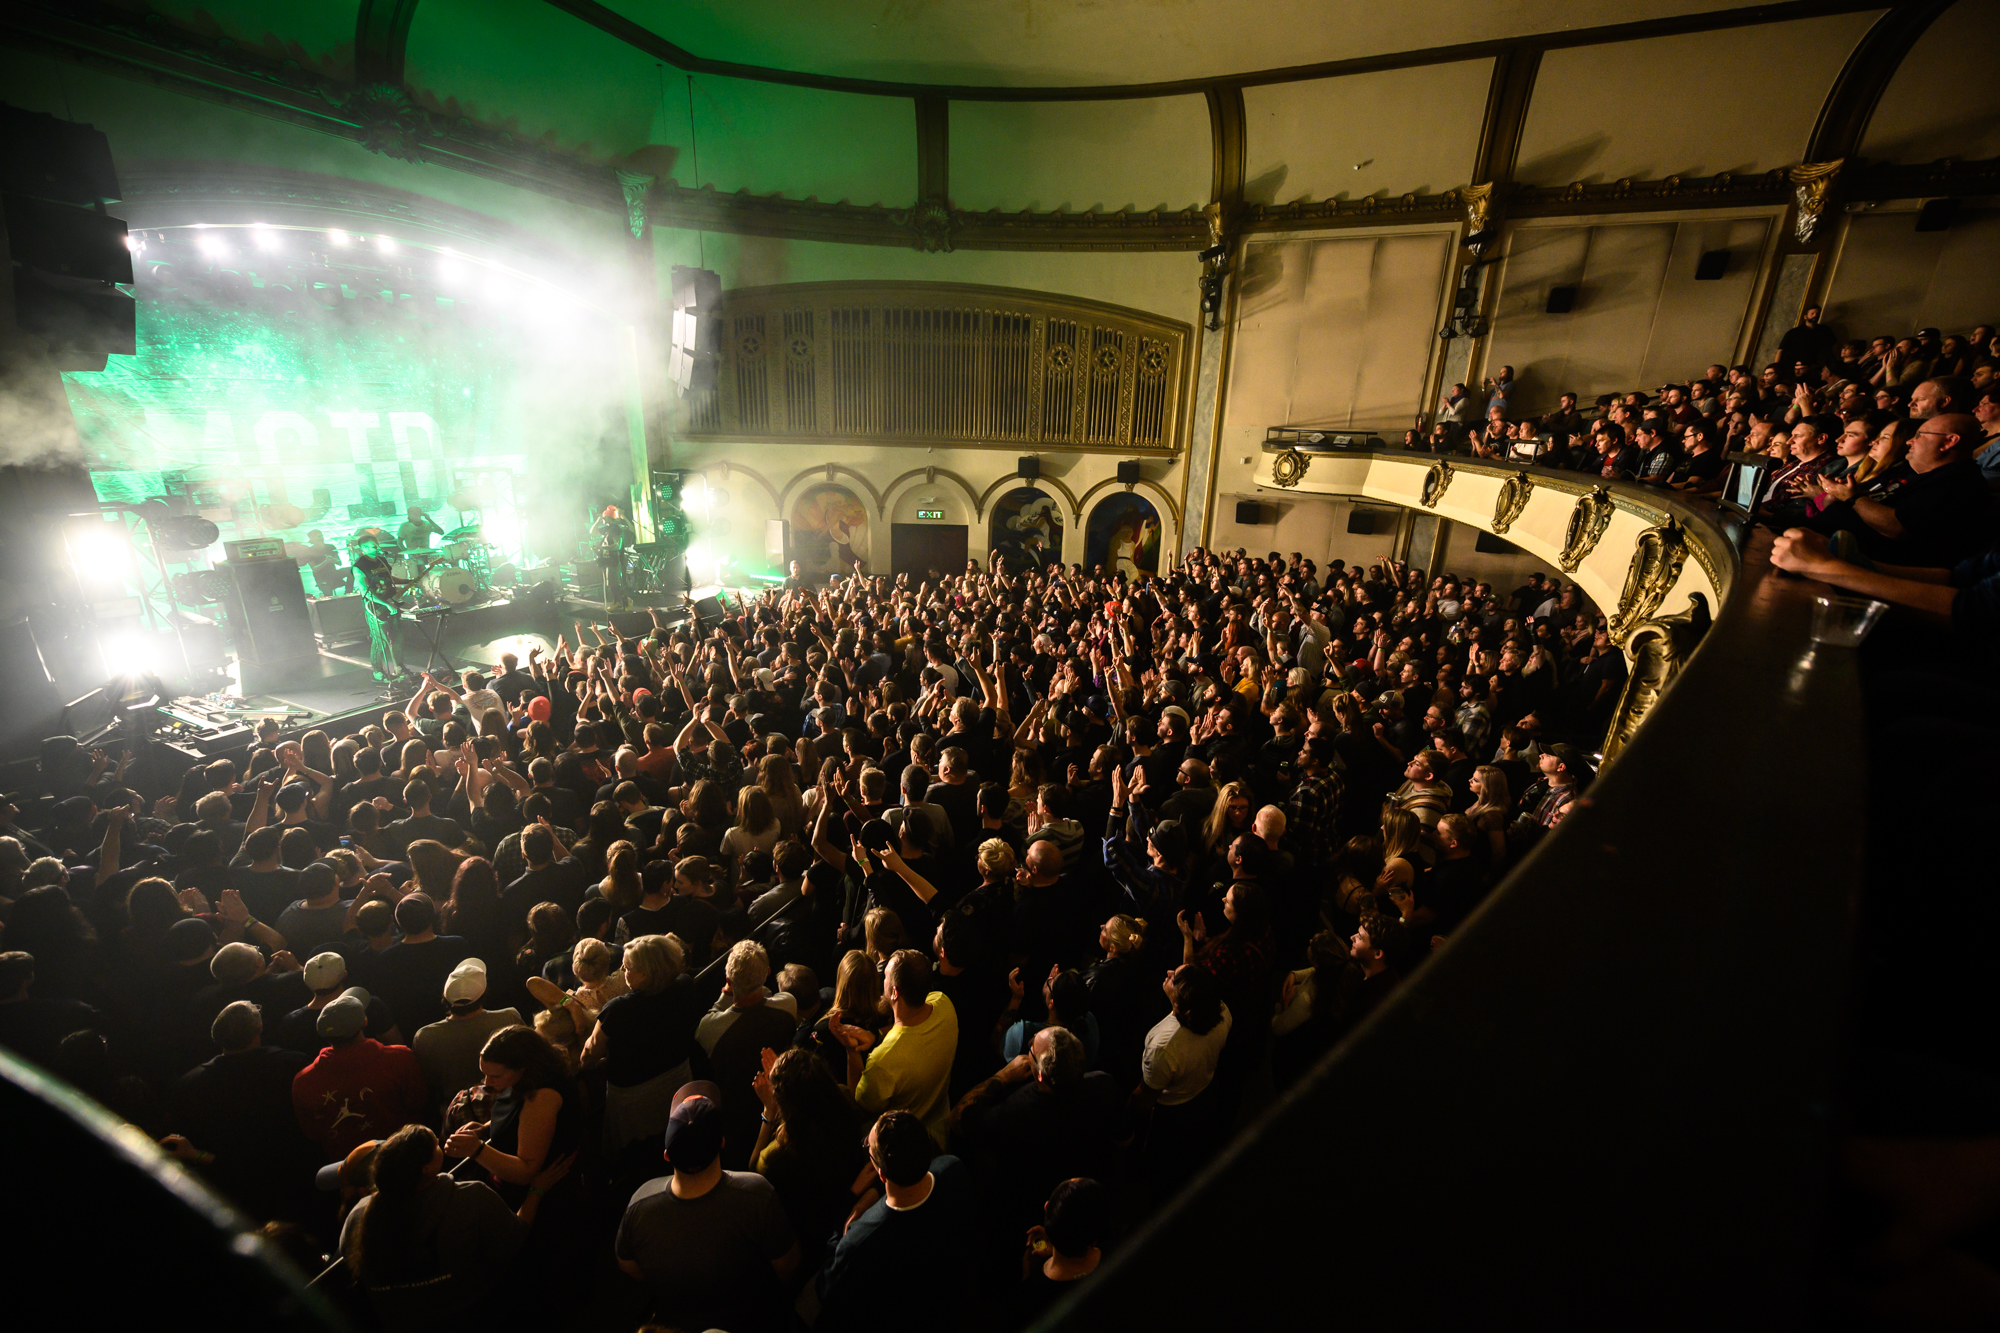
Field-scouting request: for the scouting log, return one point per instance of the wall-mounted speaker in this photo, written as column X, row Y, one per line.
column 1562, row 299
column 1251, row 514
column 1937, row 215
column 1711, row 266
column 697, row 327
column 1128, row 472
column 1488, row 544
column 1028, row 467
column 1364, row 521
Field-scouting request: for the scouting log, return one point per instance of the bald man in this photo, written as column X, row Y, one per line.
column 1943, row 515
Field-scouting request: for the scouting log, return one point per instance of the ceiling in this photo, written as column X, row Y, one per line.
column 1088, row 42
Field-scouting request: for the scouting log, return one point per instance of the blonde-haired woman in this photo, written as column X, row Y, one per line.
column 1489, row 813
column 857, row 1002
column 1125, row 996
column 645, row 1039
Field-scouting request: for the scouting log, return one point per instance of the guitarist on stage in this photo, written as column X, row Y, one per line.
column 378, row 592
column 613, row 533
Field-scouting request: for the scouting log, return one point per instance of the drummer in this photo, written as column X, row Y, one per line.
column 416, row 534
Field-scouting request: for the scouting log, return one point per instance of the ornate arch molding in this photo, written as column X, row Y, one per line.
column 1166, row 502
column 729, row 470
column 828, row 472
column 1075, row 515
column 894, row 489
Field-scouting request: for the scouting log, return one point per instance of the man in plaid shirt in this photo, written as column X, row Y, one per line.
column 1311, row 815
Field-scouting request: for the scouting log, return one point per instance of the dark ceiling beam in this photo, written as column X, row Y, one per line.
column 1507, row 98
column 381, row 37
column 1850, row 103
column 644, row 39
column 933, row 149
column 1227, row 145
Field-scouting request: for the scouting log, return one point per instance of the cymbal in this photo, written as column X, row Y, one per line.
column 458, row 534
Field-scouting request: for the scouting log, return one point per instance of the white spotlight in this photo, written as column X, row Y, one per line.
column 213, row 247
column 386, row 244
column 265, row 238
column 337, row 236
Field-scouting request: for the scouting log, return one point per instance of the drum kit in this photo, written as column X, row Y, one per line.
column 456, row 576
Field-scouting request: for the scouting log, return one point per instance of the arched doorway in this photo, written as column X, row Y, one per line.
column 1027, row 529
column 829, row 531
column 1123, row 533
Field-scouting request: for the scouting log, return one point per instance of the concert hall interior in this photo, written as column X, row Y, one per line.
column 748, row 665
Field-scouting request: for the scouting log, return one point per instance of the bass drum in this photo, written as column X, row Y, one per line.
column 452, row 587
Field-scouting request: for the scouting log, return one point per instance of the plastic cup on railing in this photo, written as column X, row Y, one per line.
column 1843, row 622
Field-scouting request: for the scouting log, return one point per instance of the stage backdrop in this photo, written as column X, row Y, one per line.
column 293, row 383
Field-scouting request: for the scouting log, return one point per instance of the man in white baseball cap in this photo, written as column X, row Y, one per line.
column 326, row 975
column 448, row 1050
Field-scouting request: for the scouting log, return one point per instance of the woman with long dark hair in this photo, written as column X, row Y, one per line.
column 430, row 1252
column 809, row 1146
column 536, row 1120
column 472, row 909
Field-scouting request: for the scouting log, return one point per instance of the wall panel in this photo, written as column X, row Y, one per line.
column 1918, row 120
column 1141, row 154
column 1399, row 131
column 1892, row 279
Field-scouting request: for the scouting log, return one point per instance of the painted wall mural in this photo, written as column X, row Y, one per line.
column 1123, row 534
column 1027, row 528
column 829, row 530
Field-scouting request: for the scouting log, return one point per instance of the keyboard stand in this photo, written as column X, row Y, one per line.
column 438, row 658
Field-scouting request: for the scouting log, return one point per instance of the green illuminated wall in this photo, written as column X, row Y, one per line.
column 291, row 393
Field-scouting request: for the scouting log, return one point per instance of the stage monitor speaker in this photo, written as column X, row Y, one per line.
column 1562, row 299
column 708, row 610
column 75, row 242
column 777, row 540
column 1028, row 467
column 1250, row 514
column 1711, row 266
column 1364, row 521
column 696, row 330
column 268, row 615
column 338, row 619
column 1937, row 215
column 1128, row 472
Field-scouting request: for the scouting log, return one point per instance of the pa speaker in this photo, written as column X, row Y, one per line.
column 1250, row 514
column 55, row 159
column 1128, row 472
column 1937, row 215
column 1488, row 544
column 1362, row 521
column 79, row 320
column 1562, row 299
column 61, row 238
column 1711, row 266
column 696, row 331
column 1028, row 467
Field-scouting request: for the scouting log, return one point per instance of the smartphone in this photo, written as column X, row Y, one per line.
column 346, row 841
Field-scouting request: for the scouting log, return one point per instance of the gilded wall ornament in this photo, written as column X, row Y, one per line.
column 1288, row 469
column 1657, row 558
column 931, row 227
column 1478, row 201
column 1436, row 480
column 1512, row 500
column 1587, row 523
column 1812, row 184
column 1658, row 648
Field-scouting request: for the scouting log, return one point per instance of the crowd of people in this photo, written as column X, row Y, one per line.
column 666, row 975
column 893, row 940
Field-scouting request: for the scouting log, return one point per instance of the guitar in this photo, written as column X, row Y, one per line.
column 377, row 594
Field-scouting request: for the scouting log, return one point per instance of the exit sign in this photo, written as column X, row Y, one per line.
column 930, row 513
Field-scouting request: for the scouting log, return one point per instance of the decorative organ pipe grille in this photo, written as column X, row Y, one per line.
column 902, row 363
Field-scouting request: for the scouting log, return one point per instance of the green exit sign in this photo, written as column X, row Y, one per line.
column 930, row 513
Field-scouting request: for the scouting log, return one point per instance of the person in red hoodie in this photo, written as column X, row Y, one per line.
column 358, row 1089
